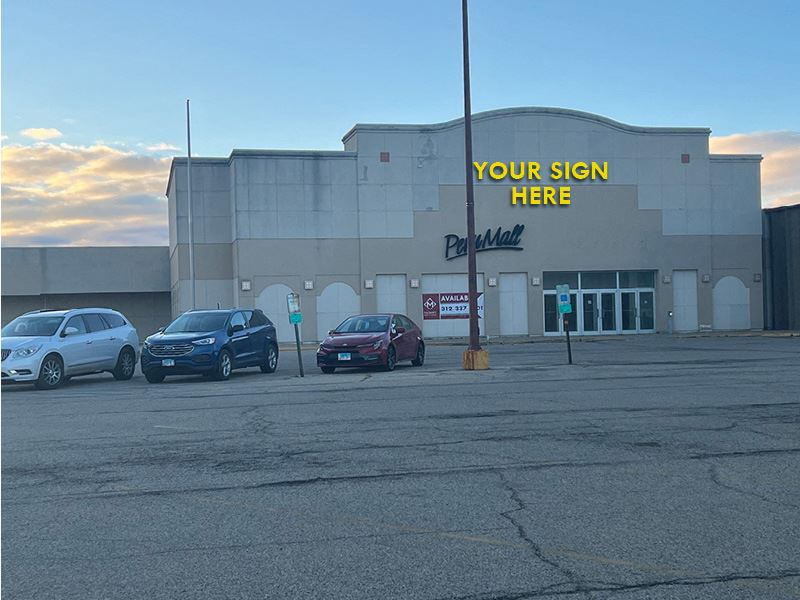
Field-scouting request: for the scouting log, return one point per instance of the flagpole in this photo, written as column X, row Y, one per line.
column 189, row 198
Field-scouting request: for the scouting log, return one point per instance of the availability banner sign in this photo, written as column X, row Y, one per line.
column 448, row 306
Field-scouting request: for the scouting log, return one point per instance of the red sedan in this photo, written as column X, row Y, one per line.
column 366, row 340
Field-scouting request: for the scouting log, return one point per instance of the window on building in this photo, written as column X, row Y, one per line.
column 637, row 279
column 595, row 280
column 554, row 278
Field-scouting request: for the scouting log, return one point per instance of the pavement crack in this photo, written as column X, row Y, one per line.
column 535, row 548
column 716, row 480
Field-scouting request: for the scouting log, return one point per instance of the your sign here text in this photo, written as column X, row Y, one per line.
column 541, row 195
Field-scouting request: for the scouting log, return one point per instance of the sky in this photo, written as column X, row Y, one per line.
column 93, row 92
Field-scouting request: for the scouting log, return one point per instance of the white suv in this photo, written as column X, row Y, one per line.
column 48, row 346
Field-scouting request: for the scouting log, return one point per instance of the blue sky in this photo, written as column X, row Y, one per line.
column 299, row 74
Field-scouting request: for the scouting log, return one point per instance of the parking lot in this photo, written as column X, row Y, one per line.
column 655, row 467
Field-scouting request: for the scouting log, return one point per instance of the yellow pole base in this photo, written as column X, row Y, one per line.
column 475, row 360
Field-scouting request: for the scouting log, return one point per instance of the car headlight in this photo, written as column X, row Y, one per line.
column 204, row 342
column 147, row 344
column 24, row 352
column 377, row 344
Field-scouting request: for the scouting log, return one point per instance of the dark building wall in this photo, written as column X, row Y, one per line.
column 782, row 267
column 147, row 311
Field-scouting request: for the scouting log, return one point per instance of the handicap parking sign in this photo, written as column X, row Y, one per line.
column 564, row 305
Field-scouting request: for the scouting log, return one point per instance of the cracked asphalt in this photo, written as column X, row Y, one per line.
column 655, row 467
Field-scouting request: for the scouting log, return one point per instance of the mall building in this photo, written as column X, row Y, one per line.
column 670, row 240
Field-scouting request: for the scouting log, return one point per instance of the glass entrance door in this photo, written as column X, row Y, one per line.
column 628, row 300
column 591, row 312
column 608, row 312
column 646, row 311
column 638, row 313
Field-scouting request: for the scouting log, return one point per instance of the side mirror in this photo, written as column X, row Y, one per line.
column 161, row 329
column 69, row 331
column 330, row 332
column 237, row 327
column 400, row 330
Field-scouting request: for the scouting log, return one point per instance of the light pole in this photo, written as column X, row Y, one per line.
column 474, row 357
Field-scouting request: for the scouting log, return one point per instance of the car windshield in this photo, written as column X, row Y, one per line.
column 197, row 322
column 32, row 326
column 363, row 325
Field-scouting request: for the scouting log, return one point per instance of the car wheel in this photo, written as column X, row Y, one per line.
column 51, row 373
column 224, row 366
column 328, row 370
column 153, row 376
column 420, row 358
column 126, row 365
column 271, row 361
column 391, row 359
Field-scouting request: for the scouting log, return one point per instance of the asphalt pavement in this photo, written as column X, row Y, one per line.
column 654, row 467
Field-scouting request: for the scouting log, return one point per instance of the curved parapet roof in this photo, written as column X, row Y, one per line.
column 524, row 110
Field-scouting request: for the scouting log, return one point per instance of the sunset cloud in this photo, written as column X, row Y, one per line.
column 63, row 194
column 780, row 175
column 41, row 133
column 162, row 147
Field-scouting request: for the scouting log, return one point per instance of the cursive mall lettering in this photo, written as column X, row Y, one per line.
column 456, row 246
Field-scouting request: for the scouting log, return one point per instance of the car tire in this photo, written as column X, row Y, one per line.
column 51, row 373
column 153, row 376
column 420, row 358
column 391, row 359
column 328, row 370
column 271, row 360
column 126, row 364
column 224, row 366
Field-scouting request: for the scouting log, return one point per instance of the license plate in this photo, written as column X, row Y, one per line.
column 168, row 362
column 344, row 356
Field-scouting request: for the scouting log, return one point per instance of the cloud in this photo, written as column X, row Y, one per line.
column 65, row 194
column 41, row 133
column 162, row 147
column 780, row 176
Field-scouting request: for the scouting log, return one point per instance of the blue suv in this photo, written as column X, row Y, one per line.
column 212, row 343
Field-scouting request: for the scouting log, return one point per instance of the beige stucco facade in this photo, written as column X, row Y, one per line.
column 375, row 216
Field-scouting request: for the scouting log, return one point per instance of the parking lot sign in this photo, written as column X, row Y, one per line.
column 295, row 318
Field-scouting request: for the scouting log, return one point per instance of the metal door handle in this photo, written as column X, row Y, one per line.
column 89, row 341
column 112, row 338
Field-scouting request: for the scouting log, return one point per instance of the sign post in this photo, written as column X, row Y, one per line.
column 295, row 318
column 565, row 308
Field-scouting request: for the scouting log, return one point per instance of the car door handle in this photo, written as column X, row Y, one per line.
column 89, row 341
column 112, row 338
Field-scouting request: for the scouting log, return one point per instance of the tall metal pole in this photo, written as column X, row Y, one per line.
column 189, row 201
column 474, row 340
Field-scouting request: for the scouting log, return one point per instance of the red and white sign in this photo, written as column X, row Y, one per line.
column 448, row 306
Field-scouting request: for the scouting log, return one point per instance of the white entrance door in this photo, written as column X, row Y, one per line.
column 684, row 300
column 336, row 302
column 391, row 293
column 513, row 303
column 272, row 302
